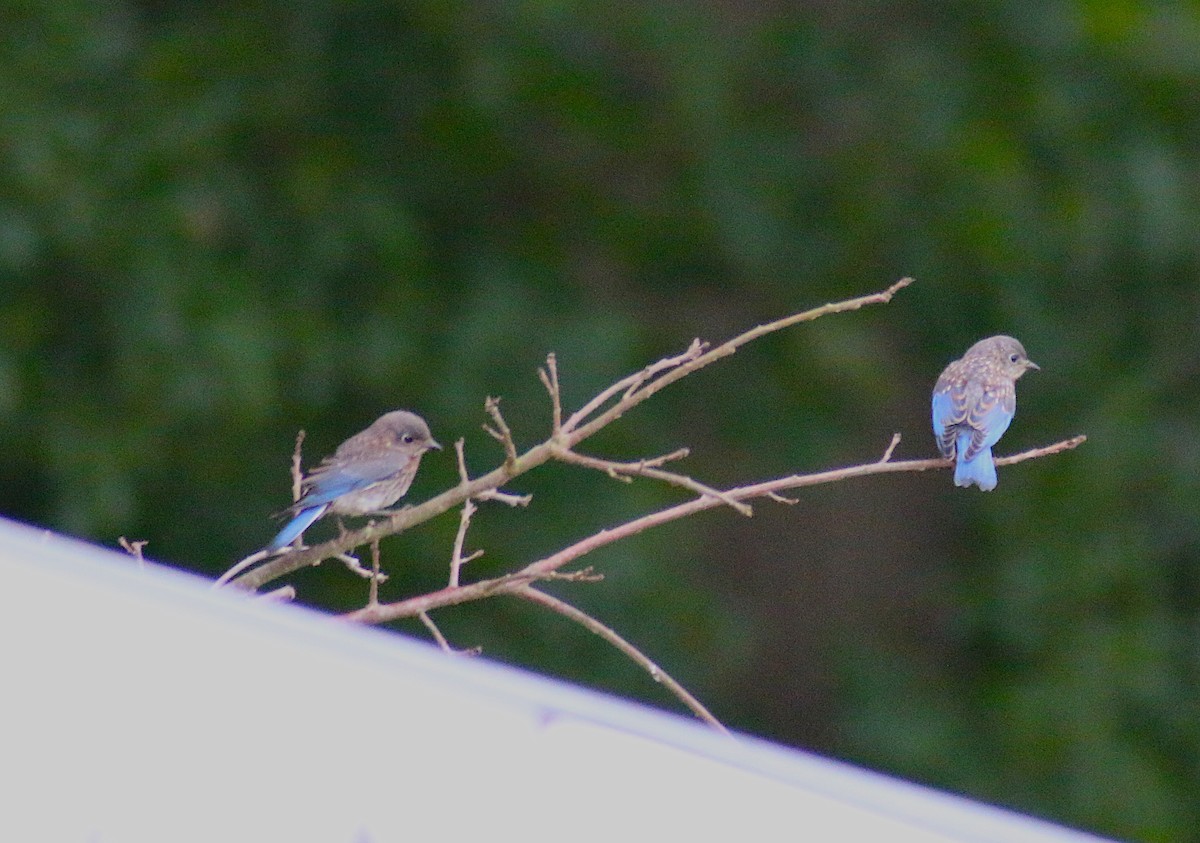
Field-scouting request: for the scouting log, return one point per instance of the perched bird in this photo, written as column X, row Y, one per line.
column 369, row 471
column 973, row 404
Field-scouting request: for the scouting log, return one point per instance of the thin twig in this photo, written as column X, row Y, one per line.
column 632, row 382
column 373, row 588
column 492, row 405
column 297, row 471
column 891, row 448
column 637, row 656
column 413, row 606
column 257, row 556
column 549, row 377
column 461, row 457
column 284, row 594
column 441, row 639
column 134, row 549
column 435, row 632
column 581, row 429
column 354, row 566
column 464, row 520
column 457, row 560
column 504, row 497
column 622, row 470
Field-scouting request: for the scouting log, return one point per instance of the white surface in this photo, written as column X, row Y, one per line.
column 140, row 706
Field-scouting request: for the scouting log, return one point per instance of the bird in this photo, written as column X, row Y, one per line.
column 368, row 472
column 973, row 404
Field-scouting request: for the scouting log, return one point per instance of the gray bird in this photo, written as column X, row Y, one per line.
column 973, row 404
column 368, row 472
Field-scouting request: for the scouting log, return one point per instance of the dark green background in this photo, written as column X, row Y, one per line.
column 221, row 222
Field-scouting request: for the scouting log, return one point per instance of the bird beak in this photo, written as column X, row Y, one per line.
column 433, row 443
column 1029, row 364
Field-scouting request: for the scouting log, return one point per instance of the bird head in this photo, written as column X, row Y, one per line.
column 1008, row 355
column 407, row 431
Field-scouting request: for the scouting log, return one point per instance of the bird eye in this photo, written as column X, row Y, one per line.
column 1013, row 358
column 407, row 438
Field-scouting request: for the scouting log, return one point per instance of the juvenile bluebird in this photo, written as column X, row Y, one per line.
column 369, row 471
column 973, row 404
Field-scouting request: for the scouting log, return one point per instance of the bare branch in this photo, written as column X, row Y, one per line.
column 549, row 377
column 891, row 448
column 297, row 471
column 459, row 444
column 642, row 387
column 285, row 594
column 637, row 656
column 354, row 566
column 456, row 557
column 257, row 556
column 441, row 639
column 630, row 383
column 585, row 422
column 504, row 497
column 492, row 405
column 797, row 481
column 1033, row 454
column 134, row 549
column 623, row 470
column 546, row 567
column 413, row 606
column 373, row 588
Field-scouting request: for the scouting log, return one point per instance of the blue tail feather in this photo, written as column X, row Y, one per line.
column 303, row 520
column 981, row 471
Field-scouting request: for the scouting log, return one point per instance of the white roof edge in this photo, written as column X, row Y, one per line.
column 36, row 567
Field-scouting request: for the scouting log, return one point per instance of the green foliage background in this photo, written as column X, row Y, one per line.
column 221, row 222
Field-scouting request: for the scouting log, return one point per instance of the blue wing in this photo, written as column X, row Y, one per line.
column 946, row 417
column 988, row 418
column 330, row 481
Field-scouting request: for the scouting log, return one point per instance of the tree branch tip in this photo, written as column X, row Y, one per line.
column 587, row 574
column 505, row 497
column 778, row 498
column 286, row 594
column 133, row 548
column 355, row 566
column 241, row 566
column 891, row 448
column 442, row 643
